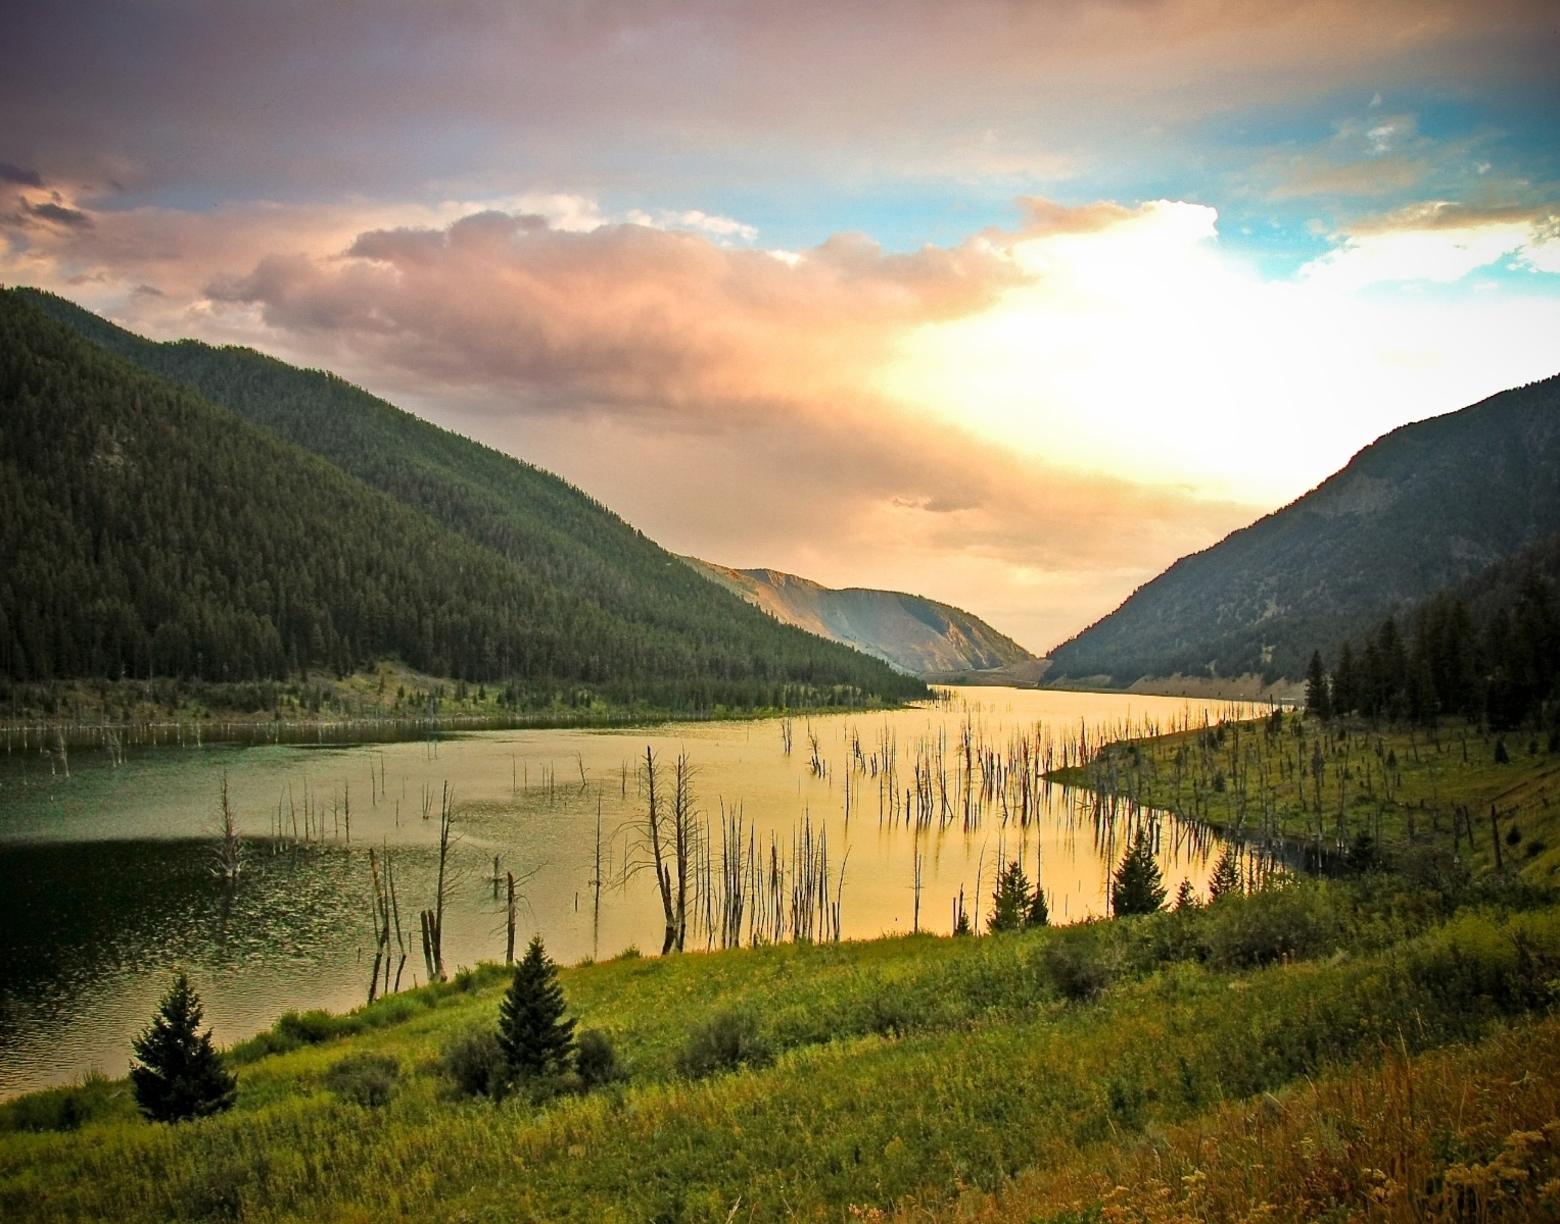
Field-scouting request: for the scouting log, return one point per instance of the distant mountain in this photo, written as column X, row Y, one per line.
column 1422, row 508
column 218, row 514
column 917, row 635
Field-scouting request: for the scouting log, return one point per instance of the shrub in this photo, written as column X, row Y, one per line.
column 476, row 1065
column 1272, row 925
column 888, row 1013
column 1078, row 968
column 58, row 1109
column 730, row 1040
column 597, row 1060
column 364, row 1079
column 316, row 1026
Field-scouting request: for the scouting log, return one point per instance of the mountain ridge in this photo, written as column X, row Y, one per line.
column 918, row 635
column 579, row 601
column 1423, row 507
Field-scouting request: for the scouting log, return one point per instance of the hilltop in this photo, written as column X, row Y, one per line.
column 917, row 635
column 1423, row 508
column 178, row 510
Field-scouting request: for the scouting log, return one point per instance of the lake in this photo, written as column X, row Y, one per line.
column 107, row 854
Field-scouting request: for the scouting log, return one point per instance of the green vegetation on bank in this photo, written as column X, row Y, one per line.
column 1450, row 797
column 228, row 518
column 907, row 1074
column 388, row 695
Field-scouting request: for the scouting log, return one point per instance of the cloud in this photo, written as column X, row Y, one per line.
column 19, row 176
column 722, row 398
column 695, row 219
column 622, row 317
column 1378, row 176
column 59, row 214
column 1438, row 242
column 227, row 99
column 1025, row 421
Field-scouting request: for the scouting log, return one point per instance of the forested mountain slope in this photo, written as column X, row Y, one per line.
column 915, row 634
column 1420, row 509
column 1487, row 649
column 154, row 532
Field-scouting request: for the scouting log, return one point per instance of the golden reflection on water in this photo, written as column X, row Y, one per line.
column 114, row 892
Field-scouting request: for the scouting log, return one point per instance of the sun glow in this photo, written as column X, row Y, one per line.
column 1140, row 349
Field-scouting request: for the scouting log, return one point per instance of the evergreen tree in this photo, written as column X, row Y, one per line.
column 536, row 1038
column 1225, row 881
column 1039, row 913
column 176, row 1073
column 1318, row 701
column 1011, row 900
column 1185, row 897
column 1138, row 886
column 1345, row 683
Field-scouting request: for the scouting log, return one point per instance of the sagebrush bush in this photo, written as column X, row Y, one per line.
column 1079, row 968
column 364, row 1079
column 475, row 1063
column 730, row 1040
column 596, row 1059
column 1274, row 924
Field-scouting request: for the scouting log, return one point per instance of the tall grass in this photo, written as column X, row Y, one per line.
column 909, row 1072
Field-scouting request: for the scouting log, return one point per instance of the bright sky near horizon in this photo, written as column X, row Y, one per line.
column 1009, row 304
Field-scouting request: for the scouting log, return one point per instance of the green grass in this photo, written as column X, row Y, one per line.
column 1406, row 787
column 910, row 1071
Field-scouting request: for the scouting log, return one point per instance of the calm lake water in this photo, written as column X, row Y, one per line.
column 106, row 881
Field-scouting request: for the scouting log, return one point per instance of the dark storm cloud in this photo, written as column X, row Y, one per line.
column 19, row 175
column 60, row 214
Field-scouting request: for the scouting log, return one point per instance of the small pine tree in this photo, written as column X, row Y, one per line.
column 1225, row 880
column 1039, row 914
column 536, row 1038
column 961, row 917
column 1138, row 886
column 1185, row 897
column 1010, row 902
column 176, row 1073
column 1318, row 700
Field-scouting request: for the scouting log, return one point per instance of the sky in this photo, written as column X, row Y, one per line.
column 1008, row 304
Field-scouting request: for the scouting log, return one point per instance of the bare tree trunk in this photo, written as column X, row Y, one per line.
column 446, row 822
column 657, row 854
column 509, row 946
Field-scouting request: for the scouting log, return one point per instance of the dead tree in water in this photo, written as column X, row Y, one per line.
column 433, row 919
column 386, row 914
column 654, row 840
column 228, row 860
column 684, row 841
column 509, row 945
column 595, row 883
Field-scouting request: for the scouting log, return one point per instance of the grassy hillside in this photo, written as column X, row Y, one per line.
column 910, row 632
column 1422, row 508
column 909, row 1075
column 174, row 519
column 1424, row 793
